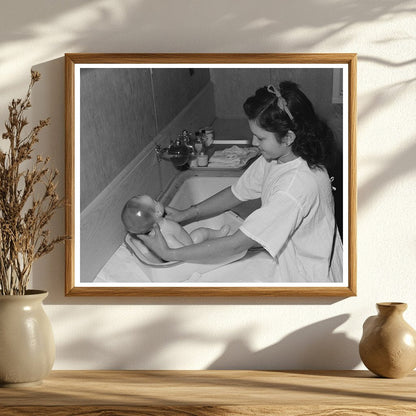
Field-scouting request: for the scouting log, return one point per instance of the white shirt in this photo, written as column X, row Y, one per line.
column 295, row 223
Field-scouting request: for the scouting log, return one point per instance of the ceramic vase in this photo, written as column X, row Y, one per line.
column 388, row 345
column 27, row 347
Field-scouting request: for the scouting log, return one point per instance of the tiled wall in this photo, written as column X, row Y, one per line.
column 122, row 110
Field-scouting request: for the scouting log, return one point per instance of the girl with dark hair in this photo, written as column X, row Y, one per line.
column 296, row 223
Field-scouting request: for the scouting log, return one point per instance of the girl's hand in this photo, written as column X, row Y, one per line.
column 157, row 243
column 174, row 214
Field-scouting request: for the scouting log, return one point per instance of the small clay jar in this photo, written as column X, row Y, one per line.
column 388, row 345
column 27, row 346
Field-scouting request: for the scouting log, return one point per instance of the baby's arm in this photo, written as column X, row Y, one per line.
column 206, row 251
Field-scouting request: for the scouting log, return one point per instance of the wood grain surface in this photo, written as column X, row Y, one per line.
column 213, row 393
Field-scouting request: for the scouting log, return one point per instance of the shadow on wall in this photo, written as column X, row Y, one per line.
column 131, row 18
column 147, row 346
column 152, row 345
column 48, row 100
column 105, row 26
column 393, row 169
column 314, row 347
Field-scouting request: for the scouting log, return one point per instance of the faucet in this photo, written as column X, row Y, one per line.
column 178, row 152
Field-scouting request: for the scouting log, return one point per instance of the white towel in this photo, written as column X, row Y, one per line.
column 232, row 157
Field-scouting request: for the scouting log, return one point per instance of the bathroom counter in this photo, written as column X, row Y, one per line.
column 228, row 133
column 213, row 392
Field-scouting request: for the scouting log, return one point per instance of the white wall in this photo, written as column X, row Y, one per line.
column 195, row 333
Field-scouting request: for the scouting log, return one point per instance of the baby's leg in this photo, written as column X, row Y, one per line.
column 201, row 234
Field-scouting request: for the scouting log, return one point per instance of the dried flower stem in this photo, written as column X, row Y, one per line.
column 23, row 217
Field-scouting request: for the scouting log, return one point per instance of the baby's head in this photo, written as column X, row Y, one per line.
column 140, row 214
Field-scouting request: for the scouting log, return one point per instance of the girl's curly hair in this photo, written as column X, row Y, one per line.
column 314, row 139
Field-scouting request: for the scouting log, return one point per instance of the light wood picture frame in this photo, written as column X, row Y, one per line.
column 120, row 107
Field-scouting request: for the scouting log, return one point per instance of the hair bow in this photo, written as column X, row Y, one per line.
column 281, row 102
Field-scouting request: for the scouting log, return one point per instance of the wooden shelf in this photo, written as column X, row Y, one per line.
column 203, row 393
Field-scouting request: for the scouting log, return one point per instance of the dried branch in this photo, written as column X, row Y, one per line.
column 24, row 216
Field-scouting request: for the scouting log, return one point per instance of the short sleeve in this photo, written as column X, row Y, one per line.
column 249, row 185
column 274, row 223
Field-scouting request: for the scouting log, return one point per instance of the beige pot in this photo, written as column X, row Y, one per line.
column 27, row 347
column 388, row 345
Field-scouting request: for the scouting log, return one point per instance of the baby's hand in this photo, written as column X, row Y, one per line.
column 156, row 242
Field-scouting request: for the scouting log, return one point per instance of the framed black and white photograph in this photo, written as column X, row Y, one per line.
column 211, row 174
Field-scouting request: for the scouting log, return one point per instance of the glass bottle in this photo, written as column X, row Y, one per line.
column 198, row 145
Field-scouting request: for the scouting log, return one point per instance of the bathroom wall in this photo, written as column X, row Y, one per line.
column 233, row 86
column 247, row 333
column 115, row 124
column 122, row 110
column 174, row 88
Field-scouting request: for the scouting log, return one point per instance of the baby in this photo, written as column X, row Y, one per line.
column 141, row 212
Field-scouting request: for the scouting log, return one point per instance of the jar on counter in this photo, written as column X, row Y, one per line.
column 202, row 159
column 193, row 163
column 209, row 136
column 198, row 145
